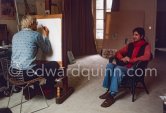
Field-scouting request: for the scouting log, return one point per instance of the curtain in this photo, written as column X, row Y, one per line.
column 78, row 26
column 115, row 5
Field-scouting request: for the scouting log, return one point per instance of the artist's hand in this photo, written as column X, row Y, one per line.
column 45, row 31
column 125, row 59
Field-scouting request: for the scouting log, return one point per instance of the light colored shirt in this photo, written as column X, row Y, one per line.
column 25, row 45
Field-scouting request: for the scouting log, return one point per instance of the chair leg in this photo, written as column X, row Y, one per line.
column 21, row 99
column 133, row 90
column 143, row 83
column 28, row 93
column 43, row 95
column 10, row 96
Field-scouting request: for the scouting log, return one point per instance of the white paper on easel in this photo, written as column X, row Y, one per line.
column 55, row 33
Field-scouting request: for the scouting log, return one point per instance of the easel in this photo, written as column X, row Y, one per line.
column 63, row 90
column 27, row 11
column 17, row 16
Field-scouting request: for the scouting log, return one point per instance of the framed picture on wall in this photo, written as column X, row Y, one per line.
column 7, row 9
column 56, row 6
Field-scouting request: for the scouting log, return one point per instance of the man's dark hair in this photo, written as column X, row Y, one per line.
column 140, row 31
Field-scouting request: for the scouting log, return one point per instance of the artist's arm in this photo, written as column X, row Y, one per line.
column 43, row 41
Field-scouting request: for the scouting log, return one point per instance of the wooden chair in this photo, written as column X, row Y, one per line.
column 132, row 81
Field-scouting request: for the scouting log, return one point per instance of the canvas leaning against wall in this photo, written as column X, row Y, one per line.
column 7, row 9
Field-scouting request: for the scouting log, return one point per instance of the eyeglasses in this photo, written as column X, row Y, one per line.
column 35, row 22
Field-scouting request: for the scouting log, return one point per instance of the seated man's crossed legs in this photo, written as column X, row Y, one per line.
column 112, row 79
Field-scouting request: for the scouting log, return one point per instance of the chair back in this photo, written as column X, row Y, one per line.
column 4, row 65
column 12, row 75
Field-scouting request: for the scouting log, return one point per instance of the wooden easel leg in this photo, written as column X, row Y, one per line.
column 66, row 91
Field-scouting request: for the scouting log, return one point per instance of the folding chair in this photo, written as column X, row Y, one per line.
column 18, row 81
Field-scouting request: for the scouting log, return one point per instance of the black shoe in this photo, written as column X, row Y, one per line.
column 108, row 102
column 105, row 95
column 5, row 110
column 16, row 90
column 29, row 95
column 49, row 92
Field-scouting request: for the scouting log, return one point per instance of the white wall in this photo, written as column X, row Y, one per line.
column 119, row 26
column 150, row 9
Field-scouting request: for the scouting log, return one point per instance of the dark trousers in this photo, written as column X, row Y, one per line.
column 46, row 69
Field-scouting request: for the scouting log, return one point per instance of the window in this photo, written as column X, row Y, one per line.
column 101, row 6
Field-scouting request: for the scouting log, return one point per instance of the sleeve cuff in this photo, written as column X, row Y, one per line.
column 45, row 37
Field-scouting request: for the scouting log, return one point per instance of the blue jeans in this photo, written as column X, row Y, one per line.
column 113, row 77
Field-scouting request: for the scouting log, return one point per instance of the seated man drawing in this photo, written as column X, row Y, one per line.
column 25, row 45
column 135, row 51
